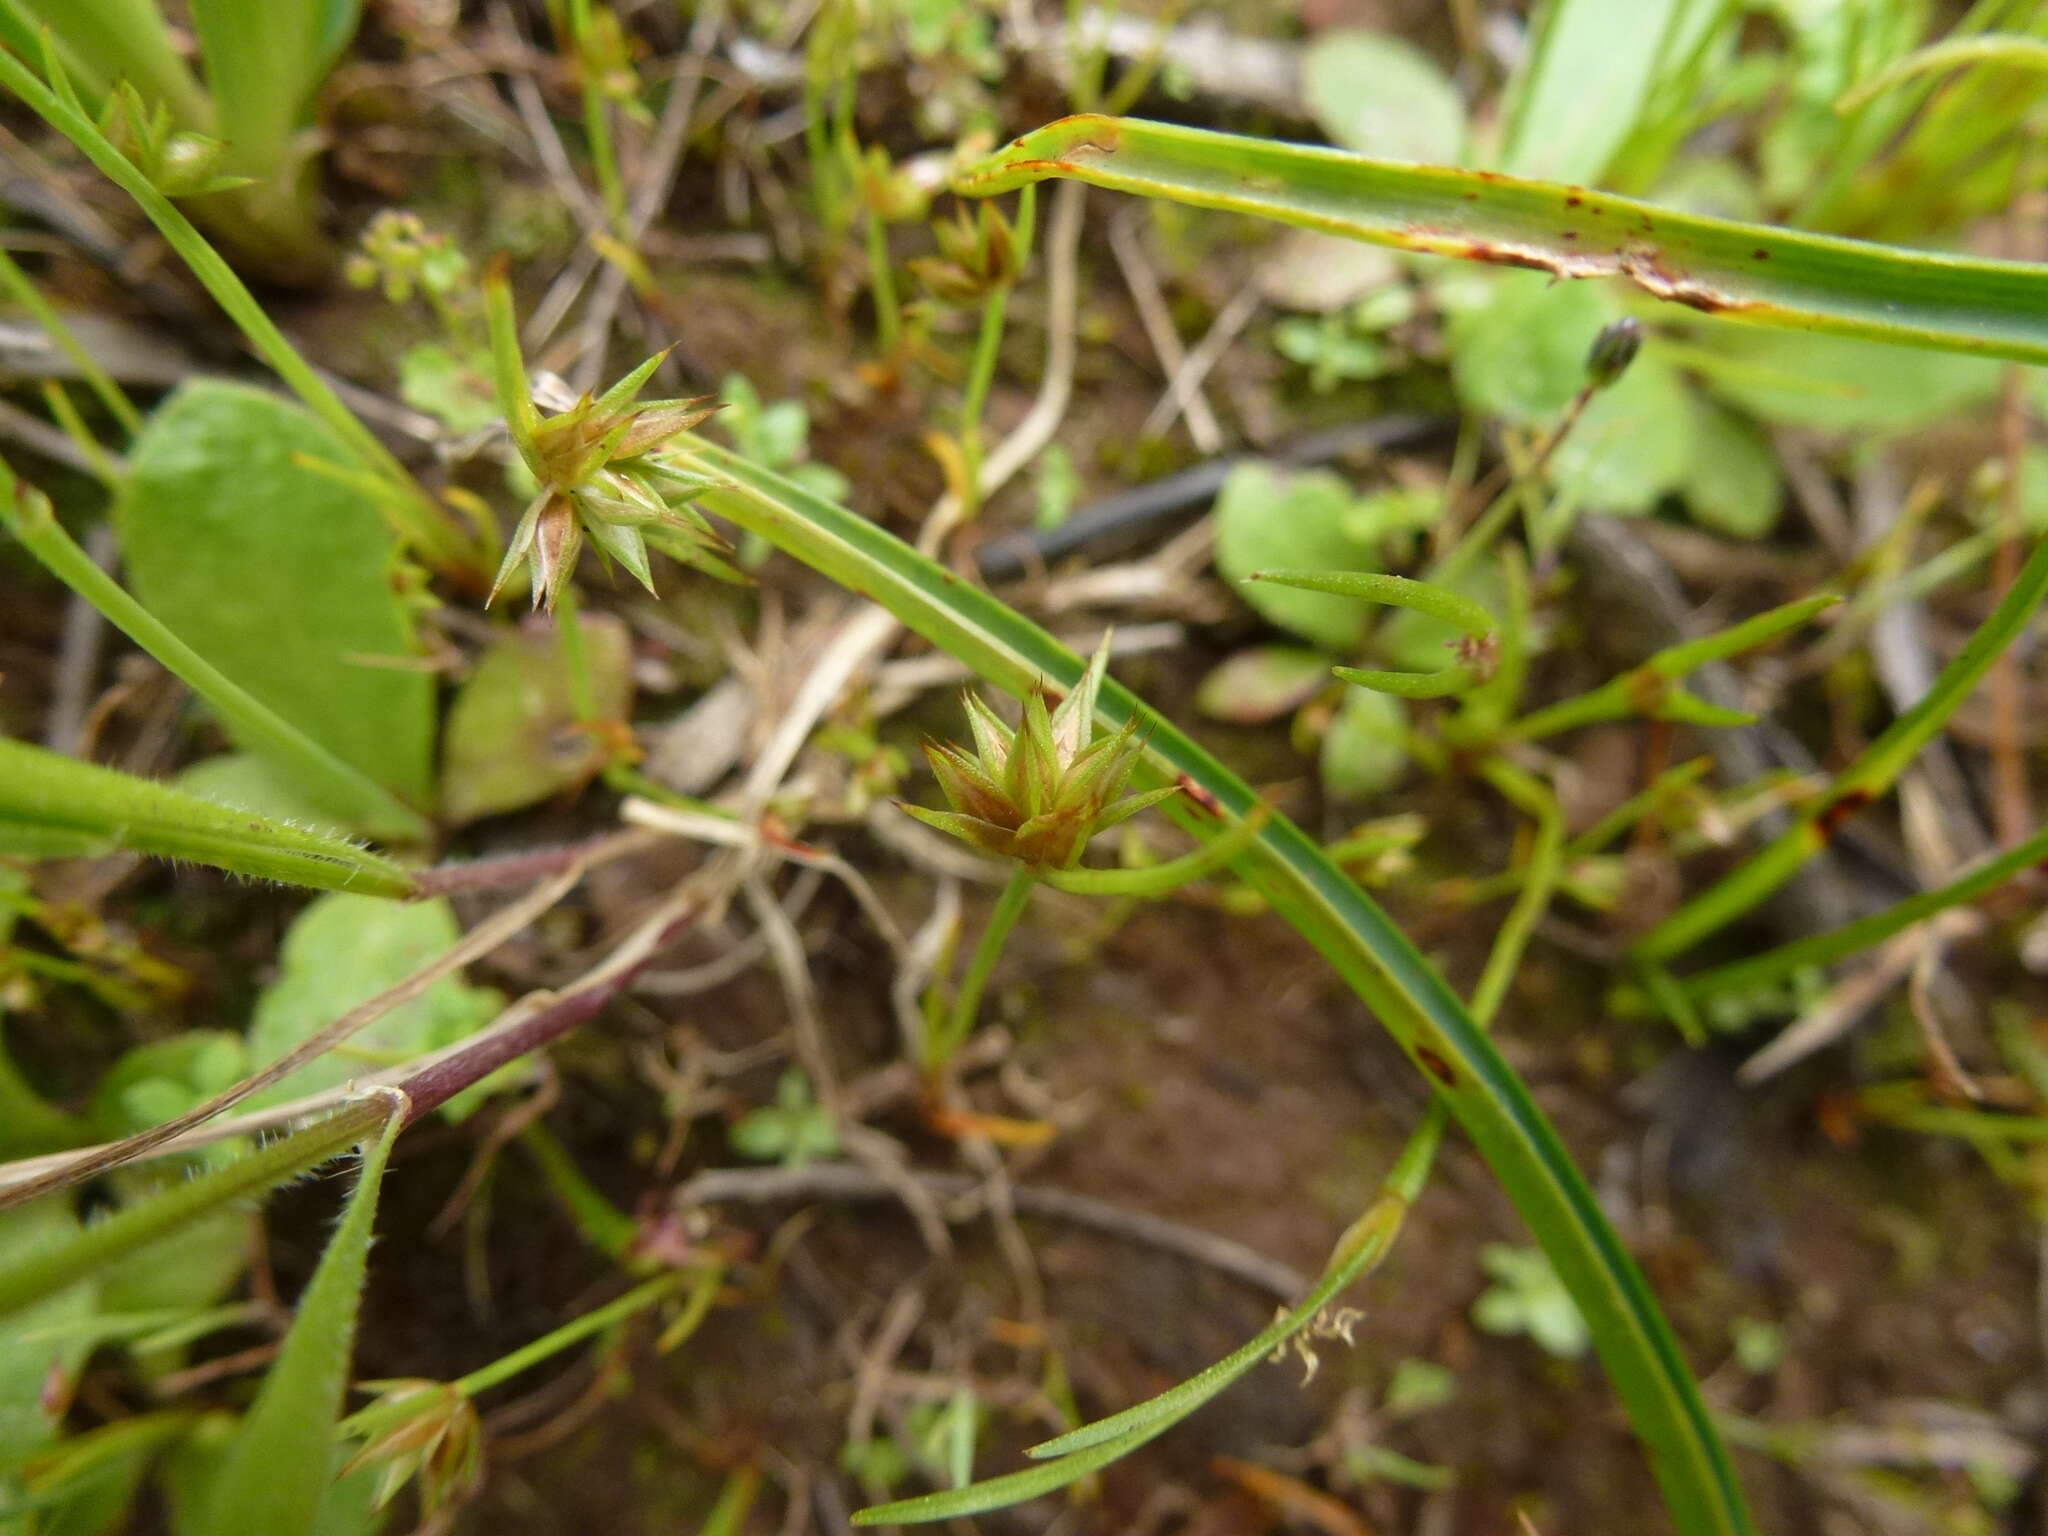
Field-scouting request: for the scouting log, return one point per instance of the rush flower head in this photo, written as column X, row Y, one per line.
column 977, row 253
column 428, row 1430
column 1038, row 793
column 599, row 474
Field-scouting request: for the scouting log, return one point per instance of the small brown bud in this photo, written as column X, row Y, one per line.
column 1612, row 351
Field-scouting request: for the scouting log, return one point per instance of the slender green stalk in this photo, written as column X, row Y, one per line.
column 940, row 1047
column 1072, row 1456
column 2015, row 51
column 102, row 465
column 735, row 1501
column 704, row 1281
column 1652, row 690
column 1540, row 878
column 26, row 1278
column 426, row 525
column 576, row 655
column 882, row 278
column 26, row 513
column 53, row 325
column 1974, row 1125
column 1854, row 938
column 1597, row 836
column 52, row 806
column 988, row 341
column 1403, row 993
column 981, row 373
column 1756, row 273
column 597, row 127
column 368, row 1421
column 603, row 1225
column 1861, row 782
column 1159, row 879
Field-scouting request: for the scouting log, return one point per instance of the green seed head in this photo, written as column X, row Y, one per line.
column 1038, row 793
column 600, row 476
column 438, row 1439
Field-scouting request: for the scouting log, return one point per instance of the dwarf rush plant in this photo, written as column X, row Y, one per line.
column 317, row 768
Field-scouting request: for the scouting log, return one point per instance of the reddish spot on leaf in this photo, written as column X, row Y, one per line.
column 1199, row 797
column 1831, row 819
column 1436, row 1066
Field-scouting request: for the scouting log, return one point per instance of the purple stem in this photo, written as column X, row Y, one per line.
column 512, row 869
column 435, row 1085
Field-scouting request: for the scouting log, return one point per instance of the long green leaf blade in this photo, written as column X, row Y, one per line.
column 424, row 523
column 1411, row 1000
column 28, row 1276
column 1758, row 273
column 1819, row 949
column 55, row 806
column 284, row 1456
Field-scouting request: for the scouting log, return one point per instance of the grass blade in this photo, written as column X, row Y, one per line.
column 1758, row 273
column 109, row 41
column 1865, row 932
column 424, row 522
column 1286, row 866
column 1858, row 784
column 1558, row 128
column 284, row 1456
column 1072, row 1456
column 52, row 806
column 26, row 1278
column 2019, row 52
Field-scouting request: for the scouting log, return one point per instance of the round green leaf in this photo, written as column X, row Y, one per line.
column 1268, row 519
column 1841, row 384
column 282, row 577
column 1382, row 97
column 343, row 950
column 1262, row 684
column 1521, row 355
column 1633, row 444
column 1732, row 487
column 1365, row 752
